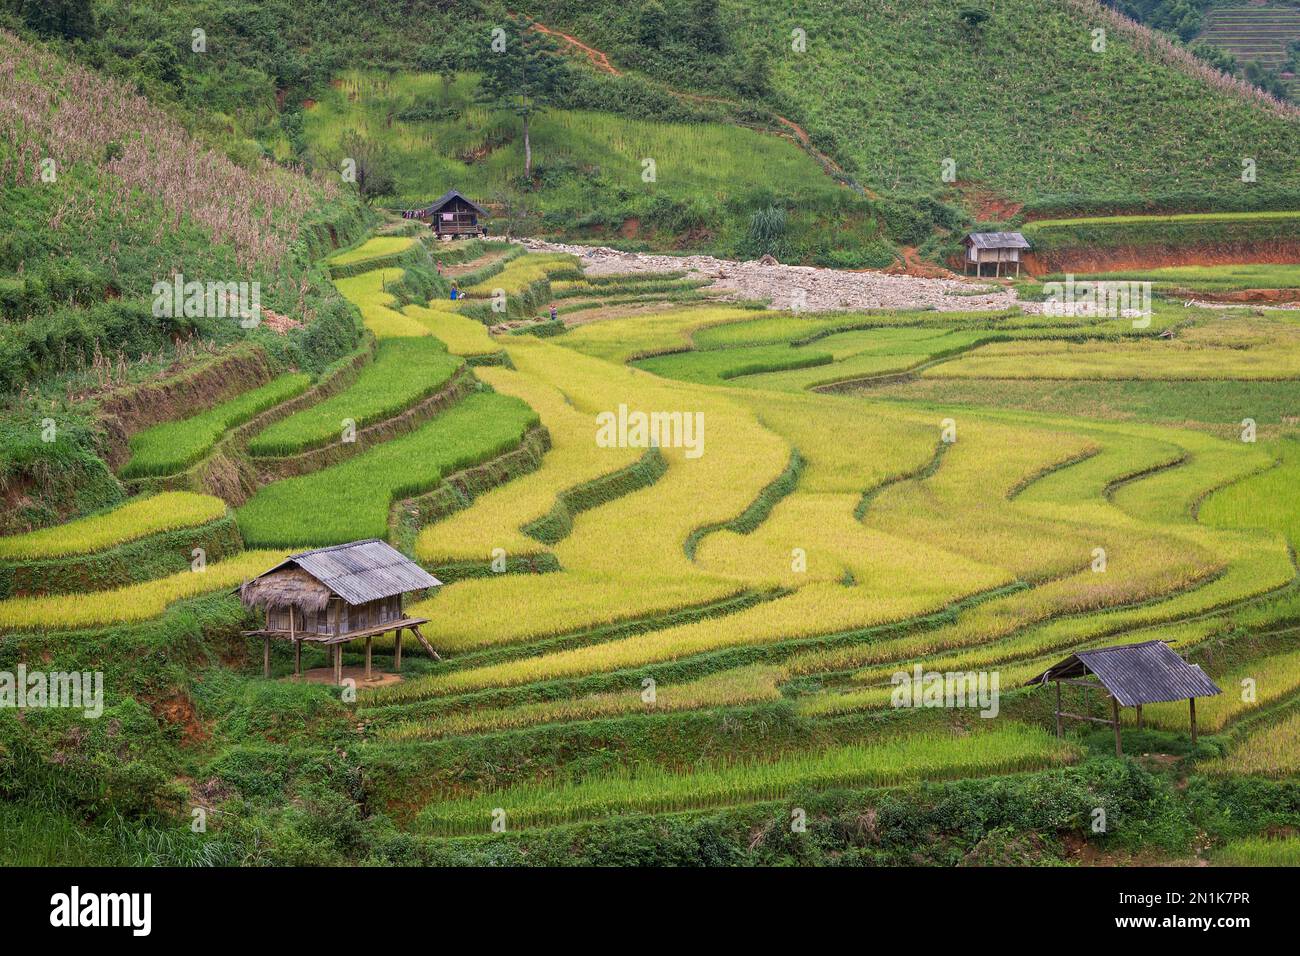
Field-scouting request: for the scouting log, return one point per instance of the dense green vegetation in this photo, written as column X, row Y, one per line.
column 596, row 172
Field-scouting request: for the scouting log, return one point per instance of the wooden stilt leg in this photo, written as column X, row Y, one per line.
column 397, row 651
column 1191, row 709
column 297, row 658
column 338, row 664
column 1139, row 709
column 266, row 657
column 427, row 646
column 1114, row 711
column 1058, row 708
column 370, row 641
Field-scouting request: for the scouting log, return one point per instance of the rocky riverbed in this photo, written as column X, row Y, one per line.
column 800, row 287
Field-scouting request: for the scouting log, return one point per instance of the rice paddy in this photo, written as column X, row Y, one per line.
column 1007, row 749
column 133, row 519
column 811, row 546
column 402, row 372
column 173, row 446
column 1272, row 750
column 352, row 500
column 138, row 602
column 1260, row 851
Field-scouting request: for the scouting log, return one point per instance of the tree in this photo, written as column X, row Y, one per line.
column 650, row 18
column 754, row 75
column 441, row 61
column 1217, row 57
column 70, row 19
column 704, row 26
column 1266, row 79
column 521, row 72
column 370, row 166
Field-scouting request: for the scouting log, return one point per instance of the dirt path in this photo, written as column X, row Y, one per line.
column 803, row 288
column 598, row 59
column 463, row 267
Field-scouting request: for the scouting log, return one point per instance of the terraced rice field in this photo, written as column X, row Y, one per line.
column 947, row 511
column 173, row 446
column 129, row 521
column 1203, row 279
column 138, row 602
column 1008, row 749
column 403, row 371
column 1251, row 32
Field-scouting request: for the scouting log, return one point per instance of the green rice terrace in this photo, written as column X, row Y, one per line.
column 1257, row 33
column 521, row 548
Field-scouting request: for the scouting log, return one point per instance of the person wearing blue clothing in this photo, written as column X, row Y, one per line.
column 455, row 292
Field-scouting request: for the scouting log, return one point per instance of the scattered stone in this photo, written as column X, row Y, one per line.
column 813, row 289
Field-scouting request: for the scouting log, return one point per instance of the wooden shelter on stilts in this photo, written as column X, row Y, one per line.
column 1131, row 675
column 332, row 596
column 1002, row 249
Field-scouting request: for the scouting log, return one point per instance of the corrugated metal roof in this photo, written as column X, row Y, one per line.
column 362, row 570
column 447, row 197
column 1146, row 673
column 998, row 240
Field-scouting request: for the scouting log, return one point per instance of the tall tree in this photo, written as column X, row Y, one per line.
column 521, row 72
column 370, row 166
column 442, row 60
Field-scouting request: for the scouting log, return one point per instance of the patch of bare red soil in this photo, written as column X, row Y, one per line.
column 1129, row 258
column 913, row 265
column 325, row 675
column 1261, row 296
column 986, row 205
column 179, row 711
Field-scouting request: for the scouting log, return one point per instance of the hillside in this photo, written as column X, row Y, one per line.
column 1030, row 116
column 693, row 182
column 1021, row 102
column 110, row 199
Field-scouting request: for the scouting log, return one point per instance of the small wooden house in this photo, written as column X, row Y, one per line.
column 993, row 247
column 455, row 217
column 332, row 596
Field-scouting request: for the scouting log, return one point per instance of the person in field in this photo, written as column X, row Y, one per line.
column 555, row 313
column 455, row 292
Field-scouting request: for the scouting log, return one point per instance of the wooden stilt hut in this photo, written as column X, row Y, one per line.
column 1131, row 675
column 999, row 248
column 332, row 596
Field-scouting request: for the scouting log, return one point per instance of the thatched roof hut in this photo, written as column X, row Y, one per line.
column 335, row 595
column 286, row 587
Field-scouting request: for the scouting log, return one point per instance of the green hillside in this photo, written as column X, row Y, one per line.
column 1013, row 94
column 1020, row 102
column 598, row 173
column 110, row 202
